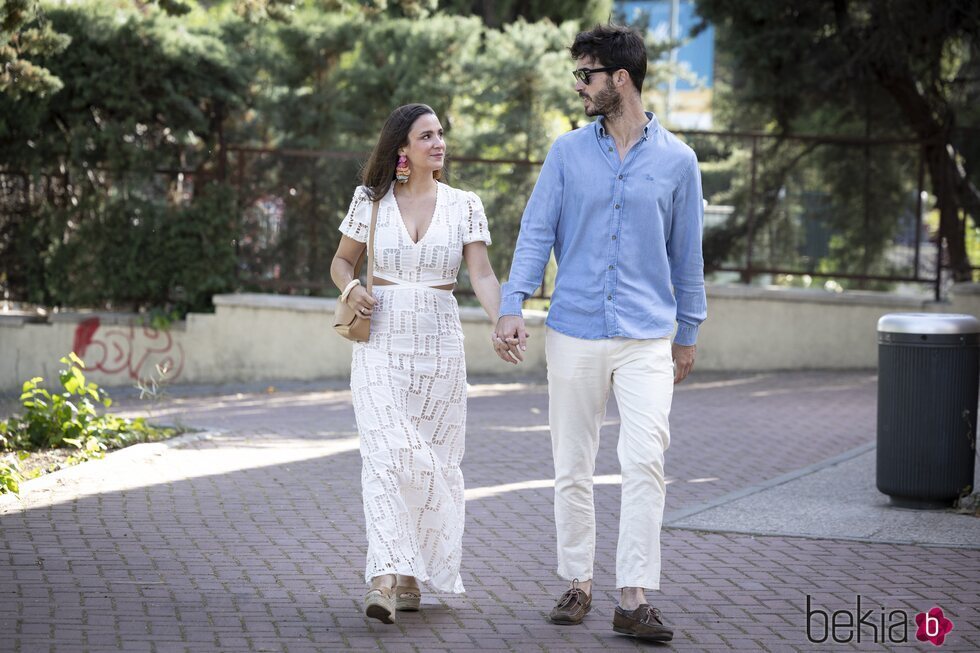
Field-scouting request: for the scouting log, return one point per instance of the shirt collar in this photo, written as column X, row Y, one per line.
column 648, row 130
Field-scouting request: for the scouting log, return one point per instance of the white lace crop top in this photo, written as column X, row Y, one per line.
column 434, row 260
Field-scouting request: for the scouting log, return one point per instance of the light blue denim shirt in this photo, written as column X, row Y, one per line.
column 626, row 236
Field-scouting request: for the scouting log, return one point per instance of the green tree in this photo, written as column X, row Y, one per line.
column 25, row 36
column 95, row 166
column 118, row 189
column 497, row 13
column 329, row 81
column 905, row 66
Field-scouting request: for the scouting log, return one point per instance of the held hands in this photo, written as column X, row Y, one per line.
column 509, row 339
column 361, row 301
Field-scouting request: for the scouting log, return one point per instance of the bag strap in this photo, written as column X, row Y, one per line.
column 369, row 250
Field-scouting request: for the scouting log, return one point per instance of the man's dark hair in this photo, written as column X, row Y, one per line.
column 614, row 45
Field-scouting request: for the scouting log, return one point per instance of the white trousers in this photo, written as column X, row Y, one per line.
column 580, row 376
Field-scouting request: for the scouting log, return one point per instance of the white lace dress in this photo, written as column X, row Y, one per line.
column 408, row 384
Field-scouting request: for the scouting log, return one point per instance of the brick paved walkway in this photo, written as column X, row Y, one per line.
column 252, row 539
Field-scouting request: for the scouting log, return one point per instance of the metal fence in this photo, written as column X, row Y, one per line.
column 798, row 210
column 292, row 202
column 801, row 209
column 847, row 209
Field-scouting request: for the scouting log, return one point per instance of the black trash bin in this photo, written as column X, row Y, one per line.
column 928, row 374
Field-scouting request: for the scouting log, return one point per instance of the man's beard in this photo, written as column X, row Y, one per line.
column 606, row 102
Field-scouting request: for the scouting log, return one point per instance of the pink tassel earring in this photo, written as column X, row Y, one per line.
column 402, row 171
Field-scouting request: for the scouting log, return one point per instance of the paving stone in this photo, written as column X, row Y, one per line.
column 252, row 539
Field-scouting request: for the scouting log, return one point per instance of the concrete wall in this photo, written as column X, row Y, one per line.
column 784, row 328
column 269, row 337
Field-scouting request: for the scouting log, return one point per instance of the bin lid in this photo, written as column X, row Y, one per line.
column 928, row 323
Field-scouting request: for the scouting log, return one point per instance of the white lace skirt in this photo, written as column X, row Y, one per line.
column 409, row 389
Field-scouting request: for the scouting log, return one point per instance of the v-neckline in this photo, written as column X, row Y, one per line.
column 401, row 218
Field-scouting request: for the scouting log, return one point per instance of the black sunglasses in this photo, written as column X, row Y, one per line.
column 582, row 74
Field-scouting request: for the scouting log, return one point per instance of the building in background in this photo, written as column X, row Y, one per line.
column 684, row 102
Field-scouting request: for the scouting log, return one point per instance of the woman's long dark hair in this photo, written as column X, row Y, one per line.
column 379, row 172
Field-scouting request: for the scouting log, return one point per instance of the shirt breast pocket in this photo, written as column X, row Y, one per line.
column 658, row 192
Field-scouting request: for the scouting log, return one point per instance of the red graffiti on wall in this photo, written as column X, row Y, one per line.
column 132, row 350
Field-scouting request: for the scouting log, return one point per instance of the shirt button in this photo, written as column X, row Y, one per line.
column 620, row 176
column 609, row 297
column 610, row 149
column 612, row 267
column 614, row 237
column 617, row 206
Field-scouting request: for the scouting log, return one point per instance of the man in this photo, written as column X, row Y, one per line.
column 619, row 202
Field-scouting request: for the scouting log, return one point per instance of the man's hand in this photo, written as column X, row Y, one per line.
column 683, row 356
column 510, row 338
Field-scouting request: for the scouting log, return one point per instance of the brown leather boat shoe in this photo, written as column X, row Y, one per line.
column 572, row 607
column 645, row 622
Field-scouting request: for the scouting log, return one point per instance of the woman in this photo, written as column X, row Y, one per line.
column 408, row 382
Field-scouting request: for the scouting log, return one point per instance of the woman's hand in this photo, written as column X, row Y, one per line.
column 361, row 301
